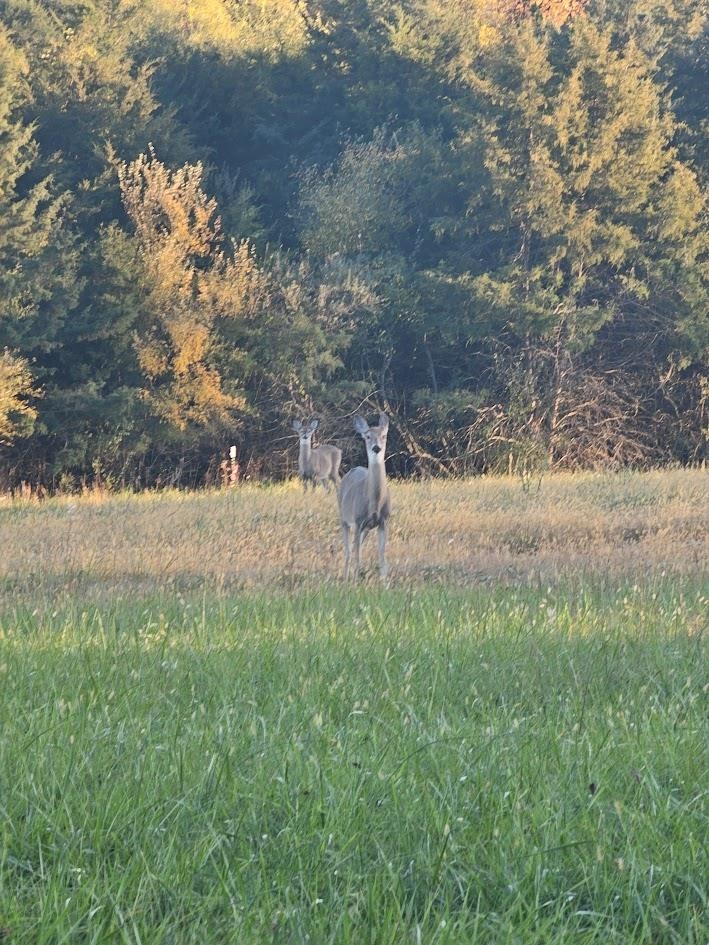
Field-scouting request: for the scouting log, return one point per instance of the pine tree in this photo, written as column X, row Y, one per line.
column 582, row 164
column 28, row 224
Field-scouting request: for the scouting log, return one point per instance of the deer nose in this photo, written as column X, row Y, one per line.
column 376, row 449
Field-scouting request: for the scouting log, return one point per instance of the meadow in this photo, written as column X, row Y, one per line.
column 208, row 738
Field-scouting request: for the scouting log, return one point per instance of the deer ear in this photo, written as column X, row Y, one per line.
column 383, row 421
column 313, row 425
column 297, row 426
column 360, row 425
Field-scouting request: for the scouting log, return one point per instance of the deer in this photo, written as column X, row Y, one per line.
column 316, row 463
column 364, row 496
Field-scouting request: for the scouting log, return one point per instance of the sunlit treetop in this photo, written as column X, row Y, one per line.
column 269, row 28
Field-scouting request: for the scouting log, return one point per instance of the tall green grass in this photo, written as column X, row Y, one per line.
column 425, row 765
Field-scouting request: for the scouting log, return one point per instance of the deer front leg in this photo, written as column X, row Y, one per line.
column 346, row 541
column 382, row 535
column 358, row 539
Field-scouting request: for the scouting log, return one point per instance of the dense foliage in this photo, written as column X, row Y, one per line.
column 488, row 218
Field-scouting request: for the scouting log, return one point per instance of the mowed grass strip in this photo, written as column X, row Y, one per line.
column 407, row 765
column 466, row 533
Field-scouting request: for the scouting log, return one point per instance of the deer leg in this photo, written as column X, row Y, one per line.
column 346, row 541
column 382, row 535
column 358, row 539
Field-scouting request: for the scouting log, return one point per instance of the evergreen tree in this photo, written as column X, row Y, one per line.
column 582, row 166
column 28, row 234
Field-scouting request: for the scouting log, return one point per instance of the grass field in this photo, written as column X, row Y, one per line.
column 208, row 738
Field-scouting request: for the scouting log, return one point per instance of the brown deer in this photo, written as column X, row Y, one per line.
column 364, row 496
column 316, row 463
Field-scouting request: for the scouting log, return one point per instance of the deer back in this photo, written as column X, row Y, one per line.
column 325, row 461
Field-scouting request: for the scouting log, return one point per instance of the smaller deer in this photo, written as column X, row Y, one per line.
column 364, row 496
column 316, row 463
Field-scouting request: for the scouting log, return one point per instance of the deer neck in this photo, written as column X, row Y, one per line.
column 305, row 455
column 376, row 485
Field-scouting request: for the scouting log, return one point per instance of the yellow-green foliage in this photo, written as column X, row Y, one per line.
column 16, row 385
column 268, row 28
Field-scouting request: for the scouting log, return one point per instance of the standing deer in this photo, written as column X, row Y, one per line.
column 364, row 496
column 316, row 463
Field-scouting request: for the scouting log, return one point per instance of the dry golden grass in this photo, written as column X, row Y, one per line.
column 486, row 530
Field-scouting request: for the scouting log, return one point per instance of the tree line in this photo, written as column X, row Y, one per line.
column 487, row 218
